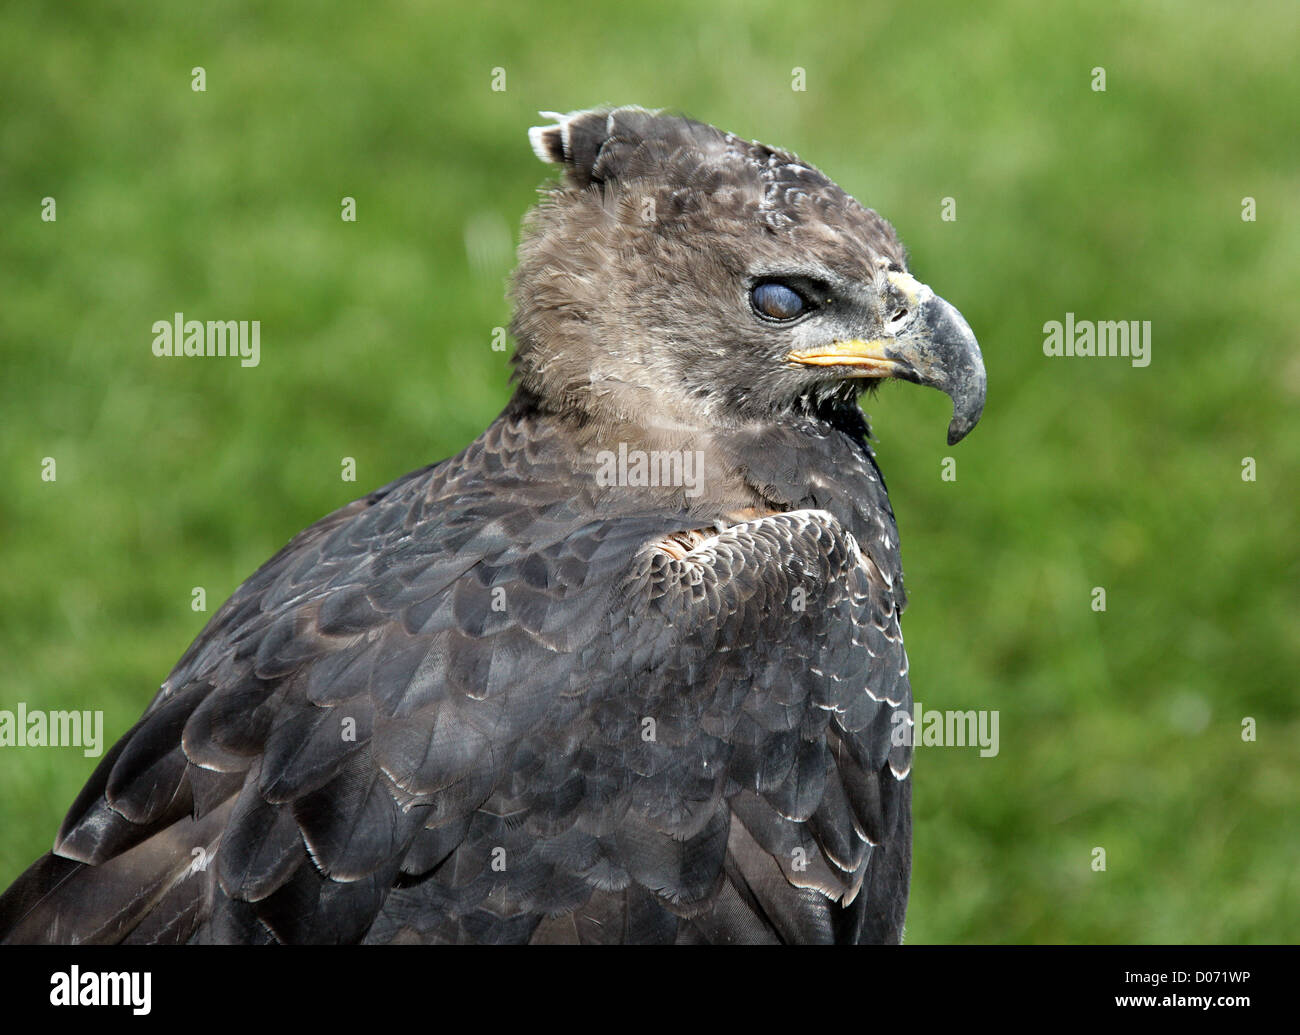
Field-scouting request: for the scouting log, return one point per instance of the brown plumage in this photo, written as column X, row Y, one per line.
column 628, row 668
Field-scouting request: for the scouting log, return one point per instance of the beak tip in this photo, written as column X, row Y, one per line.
column 959, row 372
column 967, row 409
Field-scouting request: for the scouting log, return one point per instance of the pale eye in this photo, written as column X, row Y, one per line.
column 777, row 301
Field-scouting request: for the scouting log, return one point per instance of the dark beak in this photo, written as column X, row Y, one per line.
column 936, row 348
column 945, row 355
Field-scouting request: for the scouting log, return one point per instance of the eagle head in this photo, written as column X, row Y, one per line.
column 678, row 273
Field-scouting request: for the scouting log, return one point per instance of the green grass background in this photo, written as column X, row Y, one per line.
column 1119, row 730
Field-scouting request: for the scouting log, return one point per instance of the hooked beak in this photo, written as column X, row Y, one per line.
column 936, row 347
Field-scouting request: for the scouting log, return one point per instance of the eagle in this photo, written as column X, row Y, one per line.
column 626, row 669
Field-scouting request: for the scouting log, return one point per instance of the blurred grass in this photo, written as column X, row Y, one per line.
column 1119, row 730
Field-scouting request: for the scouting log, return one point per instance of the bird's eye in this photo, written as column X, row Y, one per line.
column 776, row 301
